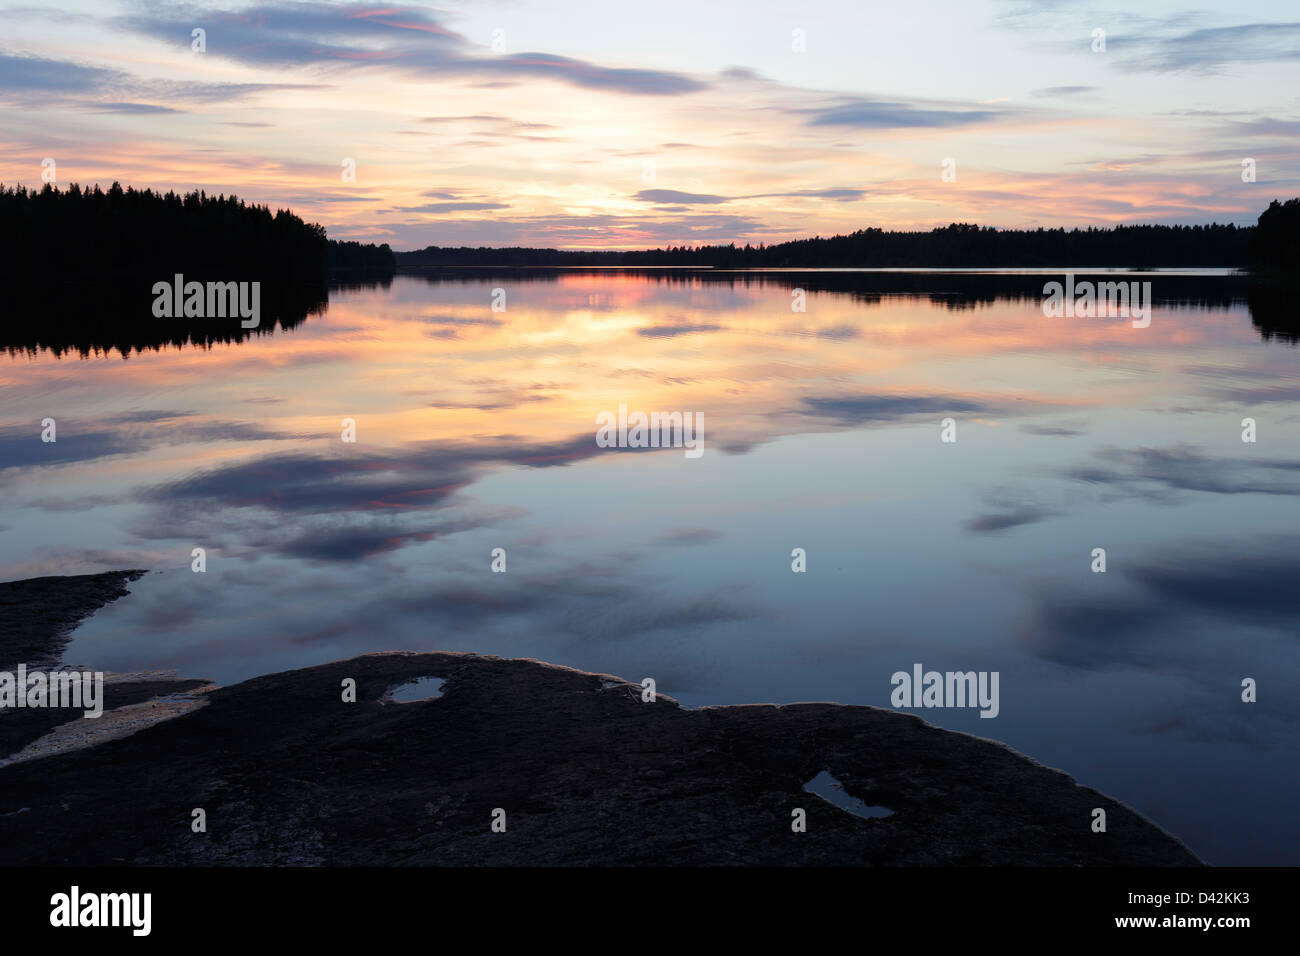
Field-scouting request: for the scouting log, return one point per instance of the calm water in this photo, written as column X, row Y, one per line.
column 475, row 430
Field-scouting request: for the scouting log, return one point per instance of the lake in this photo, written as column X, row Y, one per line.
column 474, row 401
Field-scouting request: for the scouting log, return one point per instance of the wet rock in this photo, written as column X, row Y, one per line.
column 289, row 774
column 38, row 614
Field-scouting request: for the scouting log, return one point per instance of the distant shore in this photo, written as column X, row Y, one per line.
column 288, row 772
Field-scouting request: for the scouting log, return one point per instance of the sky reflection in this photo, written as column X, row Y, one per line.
column 475, row 430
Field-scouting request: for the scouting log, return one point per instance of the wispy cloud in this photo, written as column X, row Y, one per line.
column 550, row 138
column 1157, row 473
column 1213, row 50
column 851, row 410
column 681, row 198
column 41, row 81
column 413, row 39
column 879, row 114
column 669, row 331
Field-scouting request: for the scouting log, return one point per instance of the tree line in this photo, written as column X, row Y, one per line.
column 1272, row 243
column 1277, row 237
column 78, row 233
column 82, row 264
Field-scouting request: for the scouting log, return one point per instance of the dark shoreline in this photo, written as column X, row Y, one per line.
column 588, row 774
column 1267, row 295
column 37, row 615
column 122, row 322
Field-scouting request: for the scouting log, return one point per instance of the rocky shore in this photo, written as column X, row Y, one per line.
column 287, row 771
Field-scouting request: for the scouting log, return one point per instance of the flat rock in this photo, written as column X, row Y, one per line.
column 288, row 773
column 38, row 614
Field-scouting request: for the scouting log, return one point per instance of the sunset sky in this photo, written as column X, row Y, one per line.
column 617, row 125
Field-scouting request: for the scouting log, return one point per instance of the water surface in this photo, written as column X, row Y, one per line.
column 475, row 431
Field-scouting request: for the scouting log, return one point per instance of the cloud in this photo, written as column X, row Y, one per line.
column 339, row 506
column 1254, row 583
column 308, row 200
column 668, row 331
column 877, row 114
column 1072, row 630
column 356, row 540
column 742, row 73
column 476, row 117
column 35, row 74
column 590, row 601
column 128, row 433
column 1170, row 594
column 1012, row 506
column 839, row 333
column 437, row 207
column 139, row 108
column 1262, row 394
column 1267, row 126
column 22, row 447
column 313, row 484
column 397, row 37
column 992, row 523
column 673, row 196
column 456, row 320
column 1055, row 91
column 840, row 194
column 688, row 537
column 853, row 410
column 42, row 81
column 843, row 194
column 562, row 231
column 1061, row 431
column 1212, row 50
column 494, row 400
column 1155, row 473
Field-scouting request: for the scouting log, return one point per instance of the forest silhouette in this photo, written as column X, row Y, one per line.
column 1272, row 243
column 88, row 260
column 96, row 232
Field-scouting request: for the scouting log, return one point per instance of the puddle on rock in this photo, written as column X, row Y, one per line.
column 832, row 791
column 424, row 688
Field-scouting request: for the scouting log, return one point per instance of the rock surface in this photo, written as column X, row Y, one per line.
column 586, row 772
column 38, row 614
column 37, row 617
